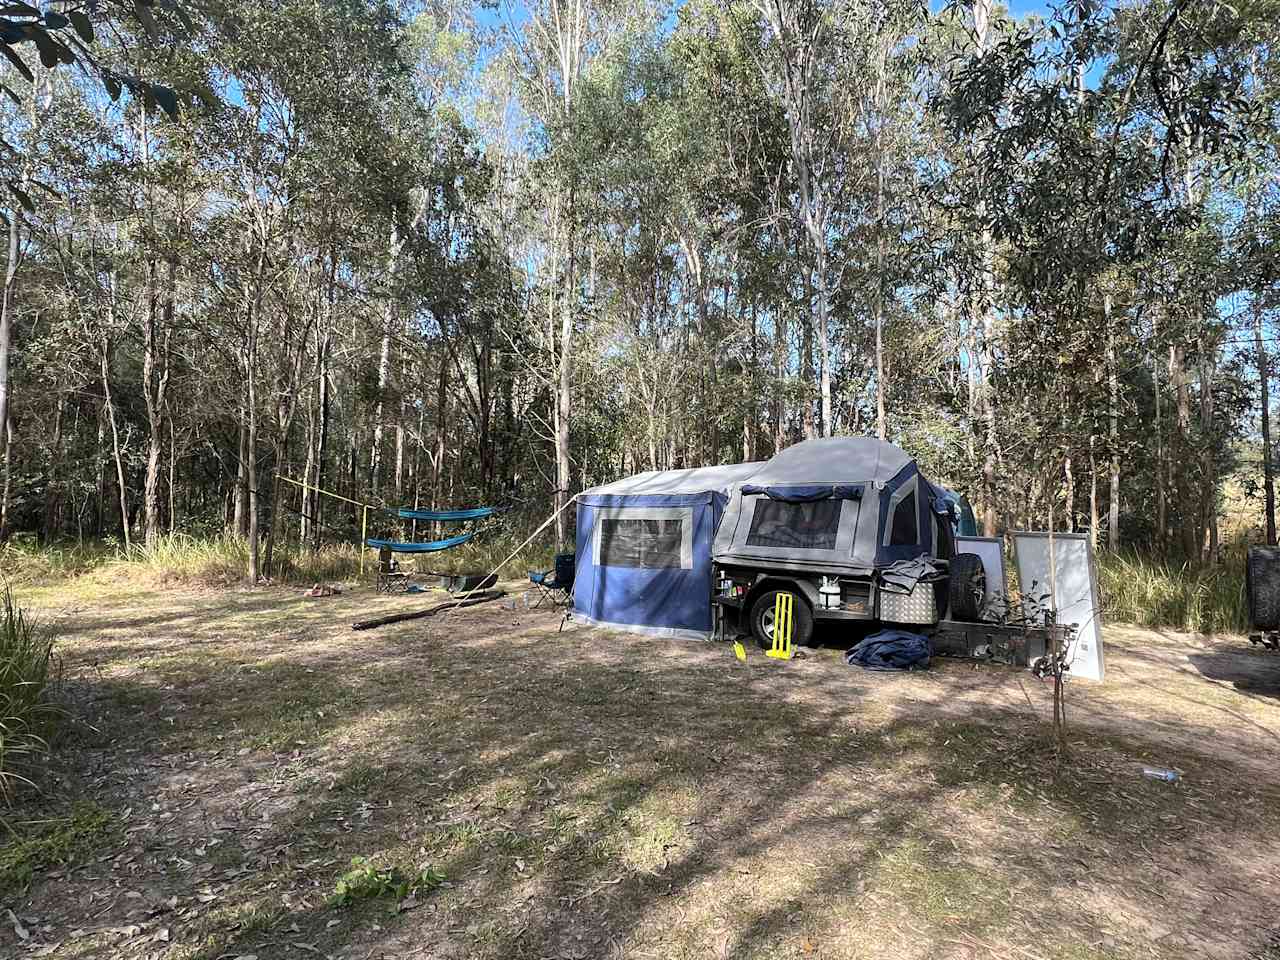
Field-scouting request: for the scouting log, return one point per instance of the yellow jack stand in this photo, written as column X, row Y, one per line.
column 783, row 608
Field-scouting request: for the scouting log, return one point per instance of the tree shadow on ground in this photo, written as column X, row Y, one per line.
column 590, row 794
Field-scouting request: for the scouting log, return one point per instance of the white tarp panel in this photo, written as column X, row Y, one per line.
column 1074, row 588
column 991, row 551
column 696, row 480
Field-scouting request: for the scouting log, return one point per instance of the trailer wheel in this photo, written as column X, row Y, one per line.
column 762, row 619
column 1262, row 587
column 967, row 586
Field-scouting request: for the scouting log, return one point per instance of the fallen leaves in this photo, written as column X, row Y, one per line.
column 19, row 930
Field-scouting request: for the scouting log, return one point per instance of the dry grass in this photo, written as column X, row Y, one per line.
column 224, row 560
column 588, row 794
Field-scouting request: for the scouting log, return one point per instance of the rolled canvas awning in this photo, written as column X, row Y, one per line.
column 806, row 493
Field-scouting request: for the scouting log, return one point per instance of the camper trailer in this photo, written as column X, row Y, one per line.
column 847, row 524
column 853, row 527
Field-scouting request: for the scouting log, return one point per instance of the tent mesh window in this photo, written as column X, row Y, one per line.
column 641, row 543
column 800, row 526
column 905, row 529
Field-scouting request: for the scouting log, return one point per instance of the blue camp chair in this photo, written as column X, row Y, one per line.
column 555, row 584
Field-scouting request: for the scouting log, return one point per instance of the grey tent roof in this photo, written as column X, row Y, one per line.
column 825, row 460
column 833, row 460
column 697, row 480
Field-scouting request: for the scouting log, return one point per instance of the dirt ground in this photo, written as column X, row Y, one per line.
column 592, row 794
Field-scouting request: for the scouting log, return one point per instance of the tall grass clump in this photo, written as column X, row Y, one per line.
column 1163, row 593
column 23, row 560
column 29, row 678
column 179, row 558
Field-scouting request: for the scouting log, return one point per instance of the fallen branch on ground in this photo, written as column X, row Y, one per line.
column 430, row 611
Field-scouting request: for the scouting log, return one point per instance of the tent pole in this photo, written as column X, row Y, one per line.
column 364, row 530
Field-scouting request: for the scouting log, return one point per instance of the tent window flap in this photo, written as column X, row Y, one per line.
column 811, row 525
column 642, row 542
column 905, row 531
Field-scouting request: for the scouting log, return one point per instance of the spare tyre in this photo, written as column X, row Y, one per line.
column 967, row 587
column 762, row 619
column 1262, row 587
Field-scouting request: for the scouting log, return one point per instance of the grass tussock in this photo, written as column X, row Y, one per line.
column 29, row 713
column 63, row 840
column 23, row 560
column 179, row 558
column 1162, row 593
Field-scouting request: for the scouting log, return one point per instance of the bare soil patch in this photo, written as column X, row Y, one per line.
column 594, row 794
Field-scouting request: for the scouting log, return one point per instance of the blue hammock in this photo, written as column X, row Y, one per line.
column 476, row 513
column 432, row 546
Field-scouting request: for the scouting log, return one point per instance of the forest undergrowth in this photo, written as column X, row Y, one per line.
column 1135, row 588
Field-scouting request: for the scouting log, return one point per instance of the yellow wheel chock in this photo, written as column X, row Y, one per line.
column 783, row 618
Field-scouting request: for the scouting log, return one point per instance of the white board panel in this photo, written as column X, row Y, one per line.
column 991, row 552
column 1074, row 592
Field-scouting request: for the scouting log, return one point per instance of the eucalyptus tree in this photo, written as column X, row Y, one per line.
column 1076, row 190
column 555, row 48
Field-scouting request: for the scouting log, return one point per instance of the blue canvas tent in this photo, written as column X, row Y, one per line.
column 644, row 549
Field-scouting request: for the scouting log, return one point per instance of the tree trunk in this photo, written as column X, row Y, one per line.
column 1182, row 395
column 779, row 382
column 1264, row 400
column 239, row 513
column 1208, row 523
column 384, row 363
column 981, row 10
column 1069, row 492
column 1113, row 429
column 824, row 344
column 810, row 420
column 564, row 405
column 442, row 412
column 115, row 443
column 989, row 524
column 50, row 533
column 251, row 403
column 5, row 460
column 100, row 473
column 1093, row 490
column 322, row 441
column 308, row 468
column 173, row 477
column 1162, row 519
column 6, row 339
column 155, row 381
column 881, row 385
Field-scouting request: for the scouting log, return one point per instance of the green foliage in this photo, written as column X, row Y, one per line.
column 65, row 39
column 1160, row 593
column 365, row 881
column 29, row 676
column 53, row 841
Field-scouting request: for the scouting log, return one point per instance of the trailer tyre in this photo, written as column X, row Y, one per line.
column 1262, row 587
column 762, row 619
column 967, row 587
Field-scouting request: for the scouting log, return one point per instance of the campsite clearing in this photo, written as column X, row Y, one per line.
column 595, row 794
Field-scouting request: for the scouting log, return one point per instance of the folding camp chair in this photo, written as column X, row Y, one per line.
column 391, row 578
column 555, row 584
